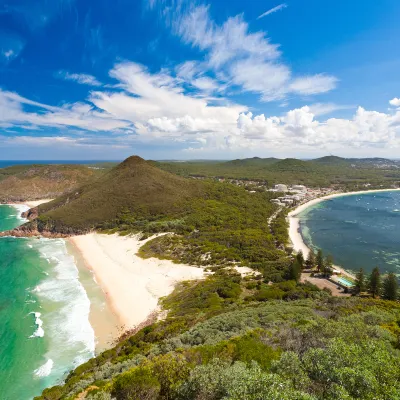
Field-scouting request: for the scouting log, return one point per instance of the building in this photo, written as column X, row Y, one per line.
column 301, row 188
column 281, row 188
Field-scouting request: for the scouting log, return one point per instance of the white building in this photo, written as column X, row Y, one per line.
column 299, row 187
column 281, row 188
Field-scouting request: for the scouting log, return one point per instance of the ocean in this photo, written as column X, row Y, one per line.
column 44, row 313
column 359, row 231
column 10, row 163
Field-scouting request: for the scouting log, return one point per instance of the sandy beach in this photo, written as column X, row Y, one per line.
column 132, row 285
column 30, row 203
column 294, row 223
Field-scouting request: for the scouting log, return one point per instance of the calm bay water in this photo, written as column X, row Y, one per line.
column 357, row 230
column 44, row 330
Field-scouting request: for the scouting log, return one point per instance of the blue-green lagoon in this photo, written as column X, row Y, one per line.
column 44, row 309
column 360, row 230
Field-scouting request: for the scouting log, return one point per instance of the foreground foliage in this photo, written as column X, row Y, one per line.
column 218, row 342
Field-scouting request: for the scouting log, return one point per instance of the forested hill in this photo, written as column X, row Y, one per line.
column 325, row 171
column 212, row 223
column 33, row 182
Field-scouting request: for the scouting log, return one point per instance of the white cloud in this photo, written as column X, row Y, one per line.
column 395, row 102
column 267, row 78
column 83, row 79
column 80, row 115
column 226, row 42
column 158, row 108
column 247, row 59
column 272, row 10
column 327, row 108
column 8, row 54
column 298, row 128
column 316, row 84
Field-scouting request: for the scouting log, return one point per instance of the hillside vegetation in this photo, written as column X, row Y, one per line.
column 261, row 337
column 212, row 223
column 325, row 171
column 218, row 343
column 33, row 182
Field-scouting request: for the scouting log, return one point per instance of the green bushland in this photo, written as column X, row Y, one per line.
column 32, row 182
column 351, row 174
column 212, row 223
column 217, row 343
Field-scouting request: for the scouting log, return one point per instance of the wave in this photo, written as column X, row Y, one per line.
column 20, row 208
column 39, row 323
column 67, row 322
column 45, row 369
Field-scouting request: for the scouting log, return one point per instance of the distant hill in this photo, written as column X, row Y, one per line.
column 33, row 182
column 292, row 165
column 255, row 161
column 331, row 160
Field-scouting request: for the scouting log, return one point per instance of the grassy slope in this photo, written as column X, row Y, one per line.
column 31, row 182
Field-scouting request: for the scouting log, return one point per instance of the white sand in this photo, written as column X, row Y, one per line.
column 35, row 203
column 294, row 222
column 31, row 203
column 132, row 285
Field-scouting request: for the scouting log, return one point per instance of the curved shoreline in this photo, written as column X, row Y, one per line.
column 294, row 222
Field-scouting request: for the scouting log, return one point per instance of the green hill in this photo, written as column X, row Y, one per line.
column 33, row 182
column 331, row 160
column 224, row 221
column 134, row 186
column 255, row 161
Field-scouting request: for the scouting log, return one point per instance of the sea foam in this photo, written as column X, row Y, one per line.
column 39, row 323
column 68, row 329
column 45, row 369
column 21, row 208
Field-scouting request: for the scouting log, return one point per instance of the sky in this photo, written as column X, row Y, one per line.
column 186, row 79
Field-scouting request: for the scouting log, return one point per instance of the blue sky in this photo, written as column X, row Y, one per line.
column 190, row 79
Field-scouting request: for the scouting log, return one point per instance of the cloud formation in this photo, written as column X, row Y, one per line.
column 273, row 10
column 395, row 102
column 246, row 59
column 83, row 79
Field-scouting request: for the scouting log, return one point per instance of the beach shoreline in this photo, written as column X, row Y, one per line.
column 132, row 286
column 29, row 203
column 295, row 235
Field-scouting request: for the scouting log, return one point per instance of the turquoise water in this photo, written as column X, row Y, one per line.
column 357, row 230
column 345, row 282
column 44, row 311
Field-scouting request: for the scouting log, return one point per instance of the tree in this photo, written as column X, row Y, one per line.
column 320, row 260
column 360, row 285
column 310, row 262
column 328, row 266
column 375, row 283
column 390, row 287
column 300, row 259
column 294, row 271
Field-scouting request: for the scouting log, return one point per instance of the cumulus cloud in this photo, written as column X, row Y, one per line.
column 299, row 127
column 150, row 107
column 395, row 102
column 83, row 79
